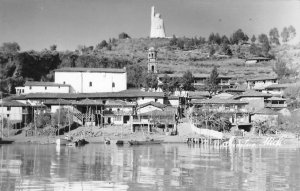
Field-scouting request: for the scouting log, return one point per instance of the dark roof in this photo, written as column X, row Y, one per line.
column 122, row 94
column 198, row 94
column 155, row 104
column 11, row 103
column 258, row 58
column 278, row 86
column 104, row 70
column 34, row 83
column 119, row 103
column 57, row 102
column 88, row 102
column 262, row 78
column 216, row 100
column 252, row 93
column 177, row 75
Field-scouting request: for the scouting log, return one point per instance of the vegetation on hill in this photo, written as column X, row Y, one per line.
column 175, row 55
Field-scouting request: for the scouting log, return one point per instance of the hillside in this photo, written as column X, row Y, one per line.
column 17, row 67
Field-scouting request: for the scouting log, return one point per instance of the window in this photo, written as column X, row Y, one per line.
column 113, row 84
column 22, row 90
column 91, row 84
column 58, row 87
column 155, row 100
column 8, row 108
column 30, row 87
column 64, row 82
column 7, row 115
column 142, row 98
column 45, row 87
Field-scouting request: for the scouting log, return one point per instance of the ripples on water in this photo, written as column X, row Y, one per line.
column 159, row 167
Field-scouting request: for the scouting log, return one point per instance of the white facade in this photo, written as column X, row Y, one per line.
column 260, row 84
column 11, row 113
column 92, row 80
column 42, row 87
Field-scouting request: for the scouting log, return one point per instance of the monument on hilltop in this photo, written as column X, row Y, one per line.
column 157, row 25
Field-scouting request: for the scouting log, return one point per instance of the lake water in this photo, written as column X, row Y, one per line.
column 159, row 167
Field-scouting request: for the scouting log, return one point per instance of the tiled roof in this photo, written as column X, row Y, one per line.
column 11, row 103
column 262, row 78
column 155, row 104
column 34, row 83
column 252, row 93
column 122, row 94
column 88, row 102
column 279, row 86
column 198, row 94
column 104, row 70
column 258, row 58
column 218, row 101
column 119, row 103
column 57, row 102
column 178, row 75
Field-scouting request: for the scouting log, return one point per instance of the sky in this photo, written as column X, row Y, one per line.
column 37, row 24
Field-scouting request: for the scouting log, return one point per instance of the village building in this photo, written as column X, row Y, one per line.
column 224, row 81
column 261, row 83
column 150, row 106
column 277, row 89
column 254, row 60
column 118, row 112
column 92, row 80
column 15, row 113
column 269, row 116
column 255, row 99
column 276, row 103
column 45, row 87
column 235, row 110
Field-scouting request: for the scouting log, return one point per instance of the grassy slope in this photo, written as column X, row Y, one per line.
column 179, row 61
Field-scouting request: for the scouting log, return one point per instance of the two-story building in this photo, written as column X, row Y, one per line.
column 261, row 83
column 45, row 87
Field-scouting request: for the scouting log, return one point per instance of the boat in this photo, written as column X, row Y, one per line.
column 61, row 141
column 3, row 141
column 77, row 143
column 145, row 142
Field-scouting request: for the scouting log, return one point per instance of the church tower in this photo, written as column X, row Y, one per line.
column 152, row 60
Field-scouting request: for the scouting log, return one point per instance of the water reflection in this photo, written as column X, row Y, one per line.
column 159, row 167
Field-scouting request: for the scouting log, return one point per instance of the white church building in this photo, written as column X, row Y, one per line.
column 80, row 80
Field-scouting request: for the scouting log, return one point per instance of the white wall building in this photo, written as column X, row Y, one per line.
column 42, row 87
column 261, row 83
column 92, row 80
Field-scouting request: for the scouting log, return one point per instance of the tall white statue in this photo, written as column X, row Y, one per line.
column 157, row 25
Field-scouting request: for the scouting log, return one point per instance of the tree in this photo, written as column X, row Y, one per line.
column 151, row 81
column 187, row 81
column 211, row 84
column 253, row 39
column 135, row 75
column 53, row 47
column 226, row 49
column 10, row 47
column 225, row 40
column 101, row 45
column 274, row 36
column 263, row 39
column 288, row 33
column 281, row 69
column 238, row 36
column 123, row 35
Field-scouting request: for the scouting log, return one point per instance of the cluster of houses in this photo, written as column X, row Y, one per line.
column 99, row 96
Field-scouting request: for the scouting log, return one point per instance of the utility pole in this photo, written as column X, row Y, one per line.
column 2, row 116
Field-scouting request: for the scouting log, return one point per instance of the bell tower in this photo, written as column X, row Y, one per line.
column 152, row 60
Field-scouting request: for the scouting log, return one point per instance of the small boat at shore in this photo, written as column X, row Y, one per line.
column 3, row 141
column 145, row 142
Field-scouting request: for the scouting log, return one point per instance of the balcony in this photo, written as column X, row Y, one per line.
column 276, row 105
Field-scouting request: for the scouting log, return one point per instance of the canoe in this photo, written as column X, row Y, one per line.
column 3, row 141
column 145, row 142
